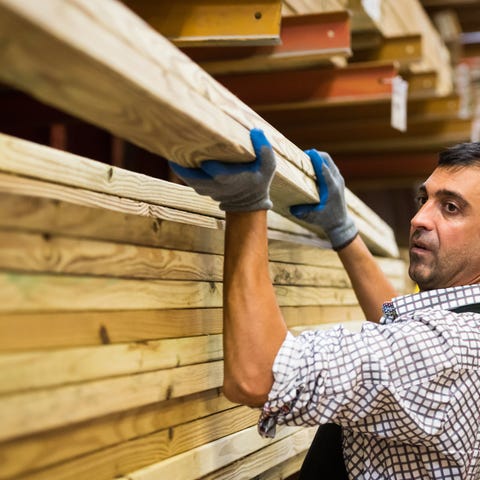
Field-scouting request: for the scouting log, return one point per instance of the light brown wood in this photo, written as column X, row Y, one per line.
column 111, row 462
column 188, row 117
column 42, row 292
column 41, row 410
column 208, row 458
column 285, row 469
column 44, row 369
column 27, row 252
column 264, row 464
column 31, row 331
column 57, row 216
column 33, row 452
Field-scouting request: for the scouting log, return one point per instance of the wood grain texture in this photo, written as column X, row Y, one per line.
column 210, row 457
column 114, row 461
column 30, row 252
column 44, row 369
column 43, row 292
column 275, row 461
column 41, row 410
column 36, row 330
column 165, row 103
column 36, row 451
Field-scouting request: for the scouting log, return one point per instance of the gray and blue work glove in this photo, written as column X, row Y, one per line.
column 239, row 187
column 331, row 212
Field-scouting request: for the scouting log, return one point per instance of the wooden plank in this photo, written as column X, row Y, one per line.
column 26, row 252
column 53, row 368
column 43, row 292
column 208, row 458
column 30, row 331
column 179, row 120
column 33, row 452
column 284, row 469
column 307, row 40
column 264, row 464
column 139, row 452
column 40, row 410
column 302, row 7
column 107, row 79
column 162, row 227
column 26, row 158
column 207, row 22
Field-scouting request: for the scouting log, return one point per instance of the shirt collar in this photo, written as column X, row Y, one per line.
column 442, row 298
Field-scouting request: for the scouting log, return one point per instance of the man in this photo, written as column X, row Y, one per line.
column 406, row 391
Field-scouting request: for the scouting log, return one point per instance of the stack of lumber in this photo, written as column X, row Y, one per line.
column 110, row 330
column 399, row 19
column 111, row 281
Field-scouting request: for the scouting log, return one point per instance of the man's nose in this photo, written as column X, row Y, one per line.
column 424, row 217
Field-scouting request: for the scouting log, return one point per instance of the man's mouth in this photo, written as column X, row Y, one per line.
column 418, row 246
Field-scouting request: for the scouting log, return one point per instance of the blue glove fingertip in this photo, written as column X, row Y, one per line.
column 259, row 141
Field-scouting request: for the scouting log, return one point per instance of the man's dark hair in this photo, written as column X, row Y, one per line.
column 461, row 155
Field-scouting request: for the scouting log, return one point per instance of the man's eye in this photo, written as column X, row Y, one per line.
column 421, row 200
column 451, row 207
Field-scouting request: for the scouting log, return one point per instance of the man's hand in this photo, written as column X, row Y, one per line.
column 239, row 187
column 331, row 212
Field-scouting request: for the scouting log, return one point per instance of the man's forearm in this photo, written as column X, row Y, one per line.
column 370, row 284
column 253, row 324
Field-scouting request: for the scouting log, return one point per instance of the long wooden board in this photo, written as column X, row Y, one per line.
column 138, row 452
column 30, row 252
column 160, row 100
column 37, row 451
column 208, row 458
column 44, row 292
column 30, row 331
column 29, row 159
column 40, row 410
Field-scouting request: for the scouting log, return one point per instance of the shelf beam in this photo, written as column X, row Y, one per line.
column 306, row 40
column 207, row 22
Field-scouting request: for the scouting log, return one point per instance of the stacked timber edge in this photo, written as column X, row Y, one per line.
column 110, row 325
column 111, row 281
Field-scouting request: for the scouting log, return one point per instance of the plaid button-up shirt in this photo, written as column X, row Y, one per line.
column 406, row 391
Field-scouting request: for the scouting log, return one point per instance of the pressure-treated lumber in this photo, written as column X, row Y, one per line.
column 264, row 464
column 27, row 331
column 40, row 410
column 27, row 158
column 301, row 7
column 24, row 293
column 284, row 469
column 113, row 461
column 37, row 451
column 206, row 22
column 43, row 369
column 307, row 40
column 106, row 78
column 208, row 458
column 26, row 252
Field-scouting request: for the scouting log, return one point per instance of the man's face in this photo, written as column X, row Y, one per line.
column 445, row 232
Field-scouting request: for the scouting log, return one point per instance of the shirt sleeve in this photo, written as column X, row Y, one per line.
column 386, row 377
